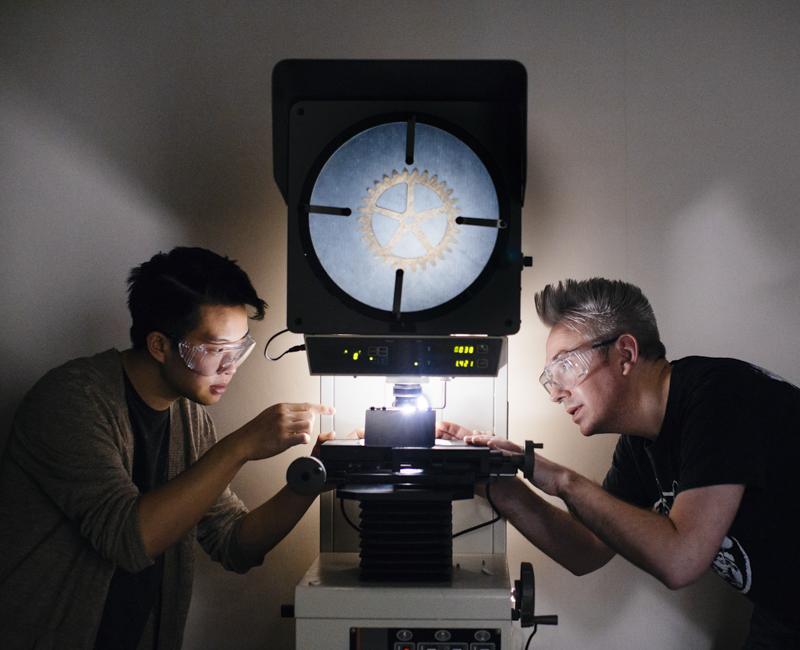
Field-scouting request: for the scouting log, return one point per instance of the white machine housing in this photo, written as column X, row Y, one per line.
column 335, row 610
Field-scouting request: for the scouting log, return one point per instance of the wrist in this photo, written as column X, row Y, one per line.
column 236, row 448
column 565, row 483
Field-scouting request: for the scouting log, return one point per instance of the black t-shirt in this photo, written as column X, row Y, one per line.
column 727, row 422
column 132, row 596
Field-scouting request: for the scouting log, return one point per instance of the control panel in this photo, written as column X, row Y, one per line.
column 373, row 638
column 435, row 356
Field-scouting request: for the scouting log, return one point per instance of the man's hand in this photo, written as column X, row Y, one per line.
column 547, row 475
column 279, row 427
column 453, row 431
column 323, row 437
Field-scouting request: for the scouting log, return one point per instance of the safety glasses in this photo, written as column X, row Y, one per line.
column 215, row 358
column 568, row 370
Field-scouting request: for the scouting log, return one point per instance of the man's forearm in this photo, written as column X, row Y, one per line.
column 674, row 550
column 554, row 531
column 268, row 524
column 640, row 536
column 167, row 513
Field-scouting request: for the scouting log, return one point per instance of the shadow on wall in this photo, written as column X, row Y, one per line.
column 73, row 226
column 116, row 144
column 147, row 90
column 734, row 266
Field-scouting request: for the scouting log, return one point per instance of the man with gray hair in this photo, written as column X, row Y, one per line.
column 700, row 475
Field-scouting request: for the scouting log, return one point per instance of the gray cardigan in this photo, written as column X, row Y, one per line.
column 68, row 509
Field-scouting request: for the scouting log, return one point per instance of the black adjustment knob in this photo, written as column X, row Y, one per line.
column 524, row 600
column 306, row 475
column 529, row 458
column 546, row 619
column 527, row 261
column 524, row 596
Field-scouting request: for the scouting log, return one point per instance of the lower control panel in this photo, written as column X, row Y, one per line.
column 402, row 638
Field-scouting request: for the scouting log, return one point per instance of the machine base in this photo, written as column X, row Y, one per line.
column 472, row 611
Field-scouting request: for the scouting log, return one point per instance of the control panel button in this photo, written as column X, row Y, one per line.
column 442, row 635
column 482, row 635
column 406, row 635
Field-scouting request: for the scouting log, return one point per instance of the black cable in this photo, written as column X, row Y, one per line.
column 489, row 495
column 485, row 523
column 346, row 518
column 294, row 348
column 476, row 527
column 530, row 638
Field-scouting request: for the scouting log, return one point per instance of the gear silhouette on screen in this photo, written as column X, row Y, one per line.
column 408, row 219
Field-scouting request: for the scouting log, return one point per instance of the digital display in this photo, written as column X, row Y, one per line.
column 425, row 356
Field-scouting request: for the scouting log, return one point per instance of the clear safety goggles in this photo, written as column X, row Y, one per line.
column 215, row 358
column 569, row 370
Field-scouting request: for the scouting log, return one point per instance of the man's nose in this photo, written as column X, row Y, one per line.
column 228, row 369
column 558, row 394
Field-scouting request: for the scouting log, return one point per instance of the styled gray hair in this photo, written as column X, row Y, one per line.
column 601, row 309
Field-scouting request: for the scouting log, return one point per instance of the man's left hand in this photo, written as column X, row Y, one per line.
column 323, row 437
column 547, row 475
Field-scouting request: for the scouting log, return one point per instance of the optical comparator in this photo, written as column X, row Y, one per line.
column 404, row 182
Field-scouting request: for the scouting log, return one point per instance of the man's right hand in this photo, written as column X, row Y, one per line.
column 279, row 427
column 452, row 431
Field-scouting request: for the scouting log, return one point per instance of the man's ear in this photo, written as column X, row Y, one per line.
column 628, row 349
column 157, row 345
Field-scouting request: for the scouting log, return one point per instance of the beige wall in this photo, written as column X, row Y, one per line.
column 663, row 148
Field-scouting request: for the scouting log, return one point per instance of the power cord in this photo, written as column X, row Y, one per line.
column 485, row 523
column 458, row 534
column 294, row 348
column 530, row 638
column 346, row 517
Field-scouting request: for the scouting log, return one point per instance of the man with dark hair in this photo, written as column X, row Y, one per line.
column 113, row 469
column 701, row 473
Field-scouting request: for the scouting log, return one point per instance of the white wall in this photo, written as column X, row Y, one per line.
column 663, row 148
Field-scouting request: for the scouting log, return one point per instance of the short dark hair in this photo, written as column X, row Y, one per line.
column 600, row 308
column 165, row 294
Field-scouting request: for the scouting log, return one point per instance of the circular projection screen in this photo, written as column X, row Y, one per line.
column 371, row 214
